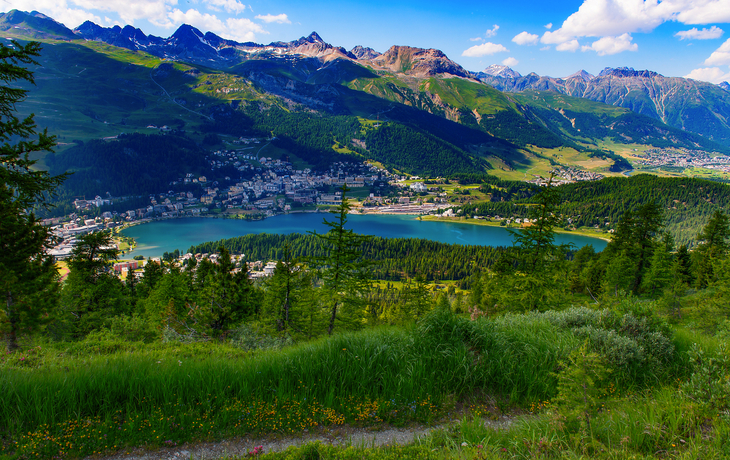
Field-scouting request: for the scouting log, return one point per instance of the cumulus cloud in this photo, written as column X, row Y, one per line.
column 269, row 18
column 702, row 11
column 485, row 49
column 612, row 45
column 492, row 32
column 704, row 34
column 476, row 39
column 510, row 62
column 571, row 45
column 130, row 11
column 240, row 29
column 549, row 25
column 614, row 18
column 244, row 30
column 217, row 16
column 74, row 13
column 195, row 18
column 524, row 38
column 711, row 74
column 720, row 56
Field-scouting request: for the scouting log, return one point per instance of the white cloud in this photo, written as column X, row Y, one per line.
column 524, row 38
column 60, row 10
column 612, row 45
column 195, row 18
column 476, row 39
column 217, row 16
column 269, row 18
column 240, row 29
column 601, row 18
column 549, row 25
column 614, row 18
column 231, row 6
column 485, row 49
column 711, row 74
column 720, row 56
column 510, row 62
column 702, row 11
column 129, row 11
column 243, row 30
column 571, row 45
column 704, row 34
column 492, row 32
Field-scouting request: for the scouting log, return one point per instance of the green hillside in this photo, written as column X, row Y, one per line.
column 464, row 122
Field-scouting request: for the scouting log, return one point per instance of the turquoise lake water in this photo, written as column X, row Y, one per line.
column 155, row 238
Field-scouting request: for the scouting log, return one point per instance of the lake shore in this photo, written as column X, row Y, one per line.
column 491, row 223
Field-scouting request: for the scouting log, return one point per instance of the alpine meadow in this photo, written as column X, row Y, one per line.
column 335, row 344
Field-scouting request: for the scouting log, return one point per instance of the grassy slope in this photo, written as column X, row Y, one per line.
column 106, row 392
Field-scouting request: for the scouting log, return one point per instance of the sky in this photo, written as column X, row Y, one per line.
column 677, row 38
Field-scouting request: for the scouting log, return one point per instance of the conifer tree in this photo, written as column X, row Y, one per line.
column 540, row 279
column 343, row 272
column 286, row 299
column 713, row 246
column 27, row 274
column 93, row 293
column 227, row 296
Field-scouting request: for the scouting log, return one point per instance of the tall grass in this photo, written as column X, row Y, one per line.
column 168, row 395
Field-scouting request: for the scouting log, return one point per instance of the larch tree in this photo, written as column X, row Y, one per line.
column 343, row 272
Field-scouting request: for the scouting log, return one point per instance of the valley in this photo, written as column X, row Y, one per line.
column 219, row 243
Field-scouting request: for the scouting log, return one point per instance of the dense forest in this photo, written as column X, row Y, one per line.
column 512, row 126
column 394, row 259
column 131, row 164
column 416, row 152
column 687, row 203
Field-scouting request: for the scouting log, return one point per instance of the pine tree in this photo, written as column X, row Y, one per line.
column 660, row 273
column 227, row 296
column 28, row 276
column 93, row 293
column 540, row 279
column 713, row 245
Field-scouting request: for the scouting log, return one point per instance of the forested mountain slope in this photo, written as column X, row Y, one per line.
column 251, row 89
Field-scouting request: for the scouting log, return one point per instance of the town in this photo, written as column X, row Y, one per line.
column 265, row 187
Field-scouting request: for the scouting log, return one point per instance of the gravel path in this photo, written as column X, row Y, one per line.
column 239, row 447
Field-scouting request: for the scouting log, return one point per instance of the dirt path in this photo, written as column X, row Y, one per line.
column 344, row 435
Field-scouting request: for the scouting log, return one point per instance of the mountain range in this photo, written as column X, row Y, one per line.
column 495, row 118
column 691, row 105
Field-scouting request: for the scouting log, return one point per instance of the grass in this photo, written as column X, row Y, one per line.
column 105, row 392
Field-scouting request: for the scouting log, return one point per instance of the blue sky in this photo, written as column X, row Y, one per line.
column 673, row 37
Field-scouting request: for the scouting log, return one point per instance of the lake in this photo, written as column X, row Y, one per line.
column 155, row 238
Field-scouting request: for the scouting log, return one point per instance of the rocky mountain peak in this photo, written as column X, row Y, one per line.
column 314, row 38
column 419, row 62
column 186, row 32
column 583, row 75
column 36, row 24
column 364, row 53
column 498, row 70
column 625, row 72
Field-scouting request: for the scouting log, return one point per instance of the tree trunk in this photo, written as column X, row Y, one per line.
column 332, row 319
